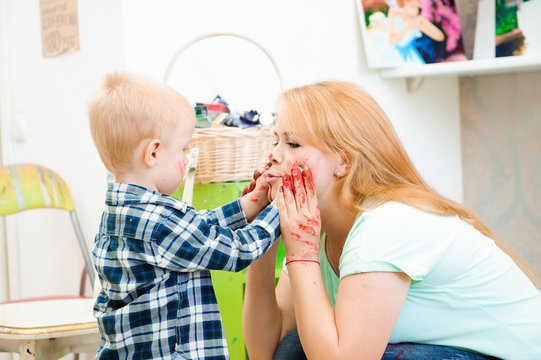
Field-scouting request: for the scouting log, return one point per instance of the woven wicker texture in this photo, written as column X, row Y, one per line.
column 229, row 154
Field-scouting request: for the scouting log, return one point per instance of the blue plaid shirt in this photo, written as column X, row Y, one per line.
column 153, row 254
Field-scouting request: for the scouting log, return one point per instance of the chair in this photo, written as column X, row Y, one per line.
column 50, row 327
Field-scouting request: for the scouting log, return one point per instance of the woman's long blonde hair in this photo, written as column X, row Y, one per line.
column 340, row 118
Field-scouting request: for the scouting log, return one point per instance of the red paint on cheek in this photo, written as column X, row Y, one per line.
column 181, row 168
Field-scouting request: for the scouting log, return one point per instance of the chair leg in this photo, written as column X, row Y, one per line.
column 27, row 350
column 82, row 283
column 36, row 350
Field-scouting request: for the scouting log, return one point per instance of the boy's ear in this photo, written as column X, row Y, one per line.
column 152, row 152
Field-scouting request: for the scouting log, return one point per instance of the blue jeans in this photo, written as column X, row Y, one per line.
column 290, row 348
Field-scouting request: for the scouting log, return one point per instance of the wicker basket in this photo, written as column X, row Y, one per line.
column 229, row 154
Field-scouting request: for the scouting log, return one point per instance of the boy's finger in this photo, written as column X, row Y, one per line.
column 244, row 191
column 248, row 188
column 256, row 175
column 251, row 186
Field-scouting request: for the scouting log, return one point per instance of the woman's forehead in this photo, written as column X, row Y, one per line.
column 281, row 128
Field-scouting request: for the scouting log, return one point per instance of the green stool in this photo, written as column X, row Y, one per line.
column 229, row 286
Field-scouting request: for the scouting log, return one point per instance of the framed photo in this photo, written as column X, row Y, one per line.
column 402, row 32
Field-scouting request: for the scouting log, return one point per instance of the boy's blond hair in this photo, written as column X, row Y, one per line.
column 128, row 109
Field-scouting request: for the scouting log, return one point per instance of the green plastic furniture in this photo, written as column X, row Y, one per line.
column 229, row 287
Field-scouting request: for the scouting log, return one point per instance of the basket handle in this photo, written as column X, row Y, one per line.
column 218, row 34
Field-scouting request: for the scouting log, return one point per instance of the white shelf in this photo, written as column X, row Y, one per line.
column 507, row 64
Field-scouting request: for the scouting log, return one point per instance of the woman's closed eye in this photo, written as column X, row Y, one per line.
column 292, row 144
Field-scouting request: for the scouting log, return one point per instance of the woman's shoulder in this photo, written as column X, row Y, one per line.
column 396, row 212
column 392, row 217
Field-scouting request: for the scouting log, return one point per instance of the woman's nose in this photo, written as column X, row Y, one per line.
column 275, row 156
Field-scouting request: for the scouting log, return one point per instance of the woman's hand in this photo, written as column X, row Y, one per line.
column 300, row 221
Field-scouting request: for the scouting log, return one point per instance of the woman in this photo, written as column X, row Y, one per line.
column 396, row 263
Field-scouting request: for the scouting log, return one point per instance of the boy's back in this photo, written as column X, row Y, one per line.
column 152, row 254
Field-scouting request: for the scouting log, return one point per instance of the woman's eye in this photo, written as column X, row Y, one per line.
column 293, row 144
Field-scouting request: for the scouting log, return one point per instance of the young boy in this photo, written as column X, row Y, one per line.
column 153, row 252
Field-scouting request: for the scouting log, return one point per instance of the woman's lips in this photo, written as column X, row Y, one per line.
column 272, row 177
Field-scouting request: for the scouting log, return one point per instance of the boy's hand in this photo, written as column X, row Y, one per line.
column 254, row 196
column 250, row 187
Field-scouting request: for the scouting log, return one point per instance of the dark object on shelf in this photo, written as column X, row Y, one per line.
column 250, row 117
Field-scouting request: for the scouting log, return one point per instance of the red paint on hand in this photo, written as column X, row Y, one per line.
column 297, row 236
column 307, row 229
column 315, row 221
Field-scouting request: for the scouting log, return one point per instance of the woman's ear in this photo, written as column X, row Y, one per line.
column 152, row 152
column 342, row 166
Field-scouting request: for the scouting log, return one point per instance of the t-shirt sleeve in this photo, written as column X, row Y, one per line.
column 394, row 238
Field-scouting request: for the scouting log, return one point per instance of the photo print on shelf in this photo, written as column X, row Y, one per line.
column 402, row 32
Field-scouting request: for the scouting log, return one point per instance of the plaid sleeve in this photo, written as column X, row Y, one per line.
column 194, row 242
column 230, row 215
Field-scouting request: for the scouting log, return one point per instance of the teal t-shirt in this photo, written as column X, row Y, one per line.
column 465, row 291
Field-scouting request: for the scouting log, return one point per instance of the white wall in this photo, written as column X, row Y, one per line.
column 50, row 95
column 311, row 40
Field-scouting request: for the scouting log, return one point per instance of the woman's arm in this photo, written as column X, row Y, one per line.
column 367, row 304
column 366, row 310
column 268, row 312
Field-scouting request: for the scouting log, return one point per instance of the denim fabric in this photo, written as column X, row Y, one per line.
column 422, row 351
column 290, row 348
